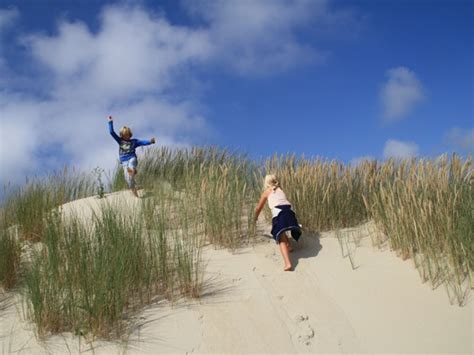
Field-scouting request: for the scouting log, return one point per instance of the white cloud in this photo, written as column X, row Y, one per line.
column 260, row 37
column 399, row 149
column 136, row 66
column 400, row 94
column 128, row 68
column 73, row 48
column 134, row 52
column 461, row 139
column 19, row 139
column 39, row 134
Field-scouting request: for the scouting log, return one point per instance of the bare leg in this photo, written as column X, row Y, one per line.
column 284, row 251
column 132, row 173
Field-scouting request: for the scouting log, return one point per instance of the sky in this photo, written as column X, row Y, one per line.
column 345, row 79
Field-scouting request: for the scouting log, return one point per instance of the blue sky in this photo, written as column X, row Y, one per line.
column 338, row 79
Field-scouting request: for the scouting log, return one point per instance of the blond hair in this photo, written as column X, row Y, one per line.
column 125, row 130
column 271, row 181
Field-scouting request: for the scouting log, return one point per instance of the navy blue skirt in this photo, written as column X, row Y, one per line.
column 285, row 221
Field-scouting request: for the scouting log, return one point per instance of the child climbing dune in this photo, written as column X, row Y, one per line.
column 127, row 155
column 283, row 218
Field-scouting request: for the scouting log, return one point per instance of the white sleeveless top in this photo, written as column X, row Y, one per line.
column 276, row 198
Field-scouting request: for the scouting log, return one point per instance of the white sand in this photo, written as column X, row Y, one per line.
column 251, row 305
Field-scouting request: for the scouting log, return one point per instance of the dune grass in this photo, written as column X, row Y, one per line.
column 83, row 279
column 325, row 194
column 10, row 257
column 217, row 184
column 424, row 206
column 90, row 279
column 26, row 207
column 23, row 216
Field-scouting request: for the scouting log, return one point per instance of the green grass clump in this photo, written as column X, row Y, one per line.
column 217, row 184
column 425, row 207
column 223, row 198
column 27, row 207
column 10, row 258
column 89, row 279
column 83, row 279
column 324, row 194
column 24, row 215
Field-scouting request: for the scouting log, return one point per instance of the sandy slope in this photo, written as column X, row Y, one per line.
column 251, row 305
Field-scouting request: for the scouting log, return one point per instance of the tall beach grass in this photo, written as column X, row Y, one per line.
column 325, row 194
column 26, row 207
column 425, row 208
column 217, row 184
column 10, row 258
column 90, row 278
column 24, row 212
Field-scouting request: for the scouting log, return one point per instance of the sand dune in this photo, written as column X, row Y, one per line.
column 250, row 305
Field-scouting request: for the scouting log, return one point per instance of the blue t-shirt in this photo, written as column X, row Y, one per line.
column 127, row 147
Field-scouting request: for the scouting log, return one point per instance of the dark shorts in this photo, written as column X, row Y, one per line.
column 285, row 221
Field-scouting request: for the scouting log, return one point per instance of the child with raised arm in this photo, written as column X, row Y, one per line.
column 127, row 155
column 283, row 218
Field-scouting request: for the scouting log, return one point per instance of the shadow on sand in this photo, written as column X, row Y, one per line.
column 308, row 246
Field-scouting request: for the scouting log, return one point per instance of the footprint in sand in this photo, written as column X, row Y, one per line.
column 305, row 332
column 301, row 318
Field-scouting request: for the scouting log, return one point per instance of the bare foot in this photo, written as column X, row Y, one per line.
column 288, row 268
column 135, row 193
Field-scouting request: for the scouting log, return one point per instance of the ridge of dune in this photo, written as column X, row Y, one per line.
column 250, row 305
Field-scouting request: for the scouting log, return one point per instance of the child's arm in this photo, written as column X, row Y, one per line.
column 142, row 142
column 111, row 130
column 261, row 203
